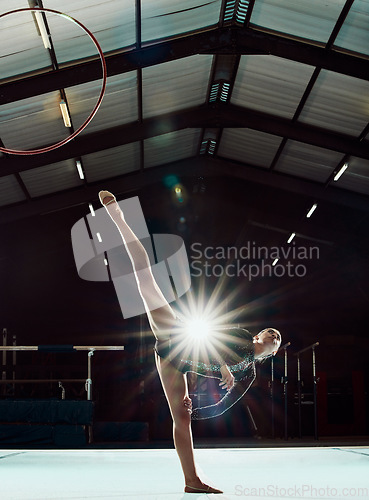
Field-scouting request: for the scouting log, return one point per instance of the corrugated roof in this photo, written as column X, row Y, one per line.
column 270, row 84
column 169, row 18
column 309, row 162
column 313, row 20
column 339, row 103
column 249, row 146
column 175, row 85
column 276, row 86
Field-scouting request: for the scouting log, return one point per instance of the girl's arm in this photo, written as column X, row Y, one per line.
column 228, row 400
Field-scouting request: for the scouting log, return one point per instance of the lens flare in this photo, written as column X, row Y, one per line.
column 198, row 329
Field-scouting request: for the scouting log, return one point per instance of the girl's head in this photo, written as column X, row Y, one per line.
column 267, row 342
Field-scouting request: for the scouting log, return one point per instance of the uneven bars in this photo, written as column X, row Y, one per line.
column 307, row 348
column 57, row 347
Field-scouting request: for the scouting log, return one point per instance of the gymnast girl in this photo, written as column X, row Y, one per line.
column 232, row 362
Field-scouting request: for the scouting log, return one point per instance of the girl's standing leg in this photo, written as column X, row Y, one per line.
column 175, row 388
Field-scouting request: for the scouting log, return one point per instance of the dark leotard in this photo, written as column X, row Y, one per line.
column 233, row 347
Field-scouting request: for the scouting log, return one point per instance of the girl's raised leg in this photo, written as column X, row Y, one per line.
column 160, row 315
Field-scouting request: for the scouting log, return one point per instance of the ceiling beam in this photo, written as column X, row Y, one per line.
column 216, row 116
column 340, row 21
column 285, row 182
column 189, row 167
column 85, row 194
column 237, row 116
column 83, row 144
column 231, row 40
column 250, row 39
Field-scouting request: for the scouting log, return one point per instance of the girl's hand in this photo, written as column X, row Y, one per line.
column 227, row 378
column 187, row 404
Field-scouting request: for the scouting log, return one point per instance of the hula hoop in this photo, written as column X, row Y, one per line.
column 103, row 86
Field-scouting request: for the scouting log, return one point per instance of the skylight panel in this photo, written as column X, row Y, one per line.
column 169, row 18
column 312, row 20
column 235, row 11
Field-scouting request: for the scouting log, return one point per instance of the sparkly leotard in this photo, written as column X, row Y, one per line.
column 236, row 350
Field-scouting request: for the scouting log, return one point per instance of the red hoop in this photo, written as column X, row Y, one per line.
column 94, row 111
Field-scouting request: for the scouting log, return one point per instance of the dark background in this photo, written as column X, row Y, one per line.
column 43, row 301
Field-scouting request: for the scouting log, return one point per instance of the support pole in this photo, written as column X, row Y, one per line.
column 14, row 360
column 285, row 391
column 315, row 381
column 60, row 385
column 89, row 388
column 89, row 375
column 272, row 394
column 299, row 394
column 3, row 362
column 5, row 335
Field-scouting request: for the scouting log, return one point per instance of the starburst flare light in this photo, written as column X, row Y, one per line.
column 198, row 328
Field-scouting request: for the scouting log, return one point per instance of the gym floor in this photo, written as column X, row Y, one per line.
column 149, row 474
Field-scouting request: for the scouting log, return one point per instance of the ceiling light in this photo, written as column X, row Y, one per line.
column 204, row 145
column 311, row 211
column 80, row 171
column 229, row 10
column 65, row 113
column 275, row 262
column 91, row 209
column 209, row 141
column 214, row 92
column 241, row 13
column 43, row 30
column 291, row 237
column 219, row 90
column 236, row 9
column 212, row 145
column 340, row 172
column 225, row 92
column 99, row 237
